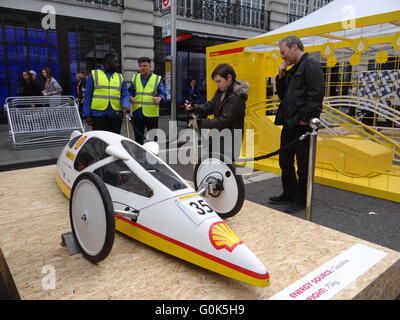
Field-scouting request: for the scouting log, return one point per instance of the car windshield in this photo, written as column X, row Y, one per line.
column 154, row 166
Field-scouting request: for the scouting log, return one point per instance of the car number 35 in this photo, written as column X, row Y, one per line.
column 201, row 206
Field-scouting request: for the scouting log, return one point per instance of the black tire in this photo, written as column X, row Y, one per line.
column 239, row 200
column 105, row 203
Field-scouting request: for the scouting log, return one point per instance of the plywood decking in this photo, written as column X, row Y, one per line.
column 34, row 214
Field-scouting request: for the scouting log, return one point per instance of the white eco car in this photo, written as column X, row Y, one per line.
column 115, row 183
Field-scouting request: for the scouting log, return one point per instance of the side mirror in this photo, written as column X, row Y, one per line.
column 152, row 146
column 117, row 152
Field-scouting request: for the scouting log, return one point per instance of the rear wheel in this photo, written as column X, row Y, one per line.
column 92, row 217
column 228, row 188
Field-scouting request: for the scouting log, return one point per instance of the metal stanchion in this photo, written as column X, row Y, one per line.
column 127, row 120
column 195, row 155
column 314, row 124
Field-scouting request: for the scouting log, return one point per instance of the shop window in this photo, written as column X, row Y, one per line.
column 24, row 44
column 53, row 38
column 20, row 35
column 72, row 39
column 10, row 34
column 41, row 37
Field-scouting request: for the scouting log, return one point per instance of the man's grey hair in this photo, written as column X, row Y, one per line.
column 291, row 40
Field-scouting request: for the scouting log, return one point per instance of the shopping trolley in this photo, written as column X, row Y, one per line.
column 41, row 121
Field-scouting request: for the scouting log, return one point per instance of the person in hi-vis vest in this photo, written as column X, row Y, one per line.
column 106, row 98
column 146, row 91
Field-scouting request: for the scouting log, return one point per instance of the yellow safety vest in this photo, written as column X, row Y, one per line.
column 106, row 91
column 144, row 96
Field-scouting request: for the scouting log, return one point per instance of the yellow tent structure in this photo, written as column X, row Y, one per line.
column 358, row 45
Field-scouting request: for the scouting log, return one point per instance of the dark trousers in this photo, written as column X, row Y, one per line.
column 107, row 124
column 295, row 186
column 140, row 125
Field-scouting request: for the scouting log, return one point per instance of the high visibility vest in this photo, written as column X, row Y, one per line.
column 106, row 91
column 144, row 96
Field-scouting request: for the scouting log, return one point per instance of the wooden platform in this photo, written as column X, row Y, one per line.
column 34, row 214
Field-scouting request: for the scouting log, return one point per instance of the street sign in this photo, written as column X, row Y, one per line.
column 166, row 7
column 168, row 11
column 166, row 26
column 166, row 18
column 179, row 37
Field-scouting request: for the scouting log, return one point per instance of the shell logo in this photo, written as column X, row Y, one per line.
column 221, row 236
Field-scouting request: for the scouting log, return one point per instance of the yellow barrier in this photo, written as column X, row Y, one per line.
column 357, row 161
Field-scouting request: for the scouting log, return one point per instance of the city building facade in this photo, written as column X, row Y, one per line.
column 72, row 36
column 300, row 8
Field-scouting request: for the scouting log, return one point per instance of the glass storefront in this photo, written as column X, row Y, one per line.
column 77, row 45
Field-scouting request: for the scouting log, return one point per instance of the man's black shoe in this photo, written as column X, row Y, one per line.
column 294, row 207
column 282, row 199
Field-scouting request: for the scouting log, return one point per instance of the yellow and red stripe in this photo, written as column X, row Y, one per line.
column 189, row 253
column 62, row 185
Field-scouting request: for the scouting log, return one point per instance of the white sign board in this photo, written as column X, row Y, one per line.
column 168, row 84
column 166, row 26
column 335, row 275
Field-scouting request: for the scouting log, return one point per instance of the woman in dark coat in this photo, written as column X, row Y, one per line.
column 28, row 87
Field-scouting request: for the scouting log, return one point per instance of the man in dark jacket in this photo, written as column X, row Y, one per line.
column 228, row 107
column 301, row 91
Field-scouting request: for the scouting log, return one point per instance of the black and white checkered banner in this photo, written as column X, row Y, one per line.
column 383, row 84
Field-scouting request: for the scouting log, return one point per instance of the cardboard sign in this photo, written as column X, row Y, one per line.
column 335, row 275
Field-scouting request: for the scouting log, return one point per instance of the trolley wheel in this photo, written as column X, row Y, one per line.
column 91, row 214
column 229, row 199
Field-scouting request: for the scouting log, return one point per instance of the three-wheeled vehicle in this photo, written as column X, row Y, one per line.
column 115, row 183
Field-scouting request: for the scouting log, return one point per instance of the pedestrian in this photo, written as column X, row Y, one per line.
column 192, row 91
column 28, row 87
column 147, row 91
column 228, row 107
column 106, row 97
column 80, row 90
column 37, row 86
column 301, row 91
column 50, row 85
